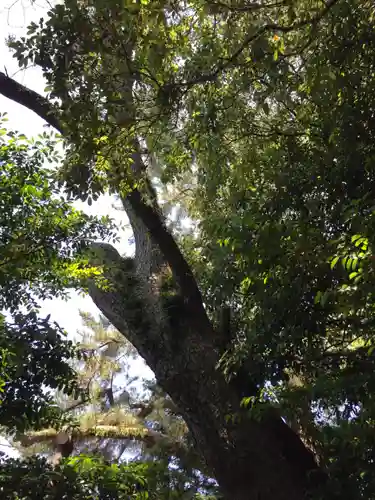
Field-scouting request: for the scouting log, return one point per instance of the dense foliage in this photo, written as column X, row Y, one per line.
column 79, row 478
column 265, row 114
column 36, row 359
column 40, row 237
column 41, row 233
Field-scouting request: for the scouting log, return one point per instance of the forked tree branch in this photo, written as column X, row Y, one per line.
column 149, row 216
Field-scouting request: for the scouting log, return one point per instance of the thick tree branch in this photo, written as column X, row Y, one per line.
column 148, row 437
column 172, row 254
column 148, row 215
column 30, row 99
column 273, row 455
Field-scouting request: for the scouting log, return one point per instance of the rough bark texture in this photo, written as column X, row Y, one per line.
column 259, row 460
column 250, row 459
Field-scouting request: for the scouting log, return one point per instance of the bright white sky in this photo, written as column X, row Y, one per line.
column 14, row 20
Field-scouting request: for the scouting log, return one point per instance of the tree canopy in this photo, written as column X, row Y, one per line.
column 257, row 322
column 40, row 236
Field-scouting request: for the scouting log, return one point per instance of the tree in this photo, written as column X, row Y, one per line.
column 80, row 478
column 40, row 235
column 113, row 420
column 263, row 96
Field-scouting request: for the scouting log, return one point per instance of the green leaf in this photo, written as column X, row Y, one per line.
column 318, row 297
column 334, row 261
column 324, row 298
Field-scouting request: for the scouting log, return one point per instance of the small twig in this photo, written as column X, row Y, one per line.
column 248, row 8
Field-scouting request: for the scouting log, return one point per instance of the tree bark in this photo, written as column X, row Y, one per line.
column 256, row 460
column 250, row 459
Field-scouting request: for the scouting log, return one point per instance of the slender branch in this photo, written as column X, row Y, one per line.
column 254, row 36
column 76, row 405
column 248, row 8
column 144, row 409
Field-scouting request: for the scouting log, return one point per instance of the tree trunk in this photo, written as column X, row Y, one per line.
column 252, row 460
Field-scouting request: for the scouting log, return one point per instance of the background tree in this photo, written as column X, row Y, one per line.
column 40, row 235
column 115, row 421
